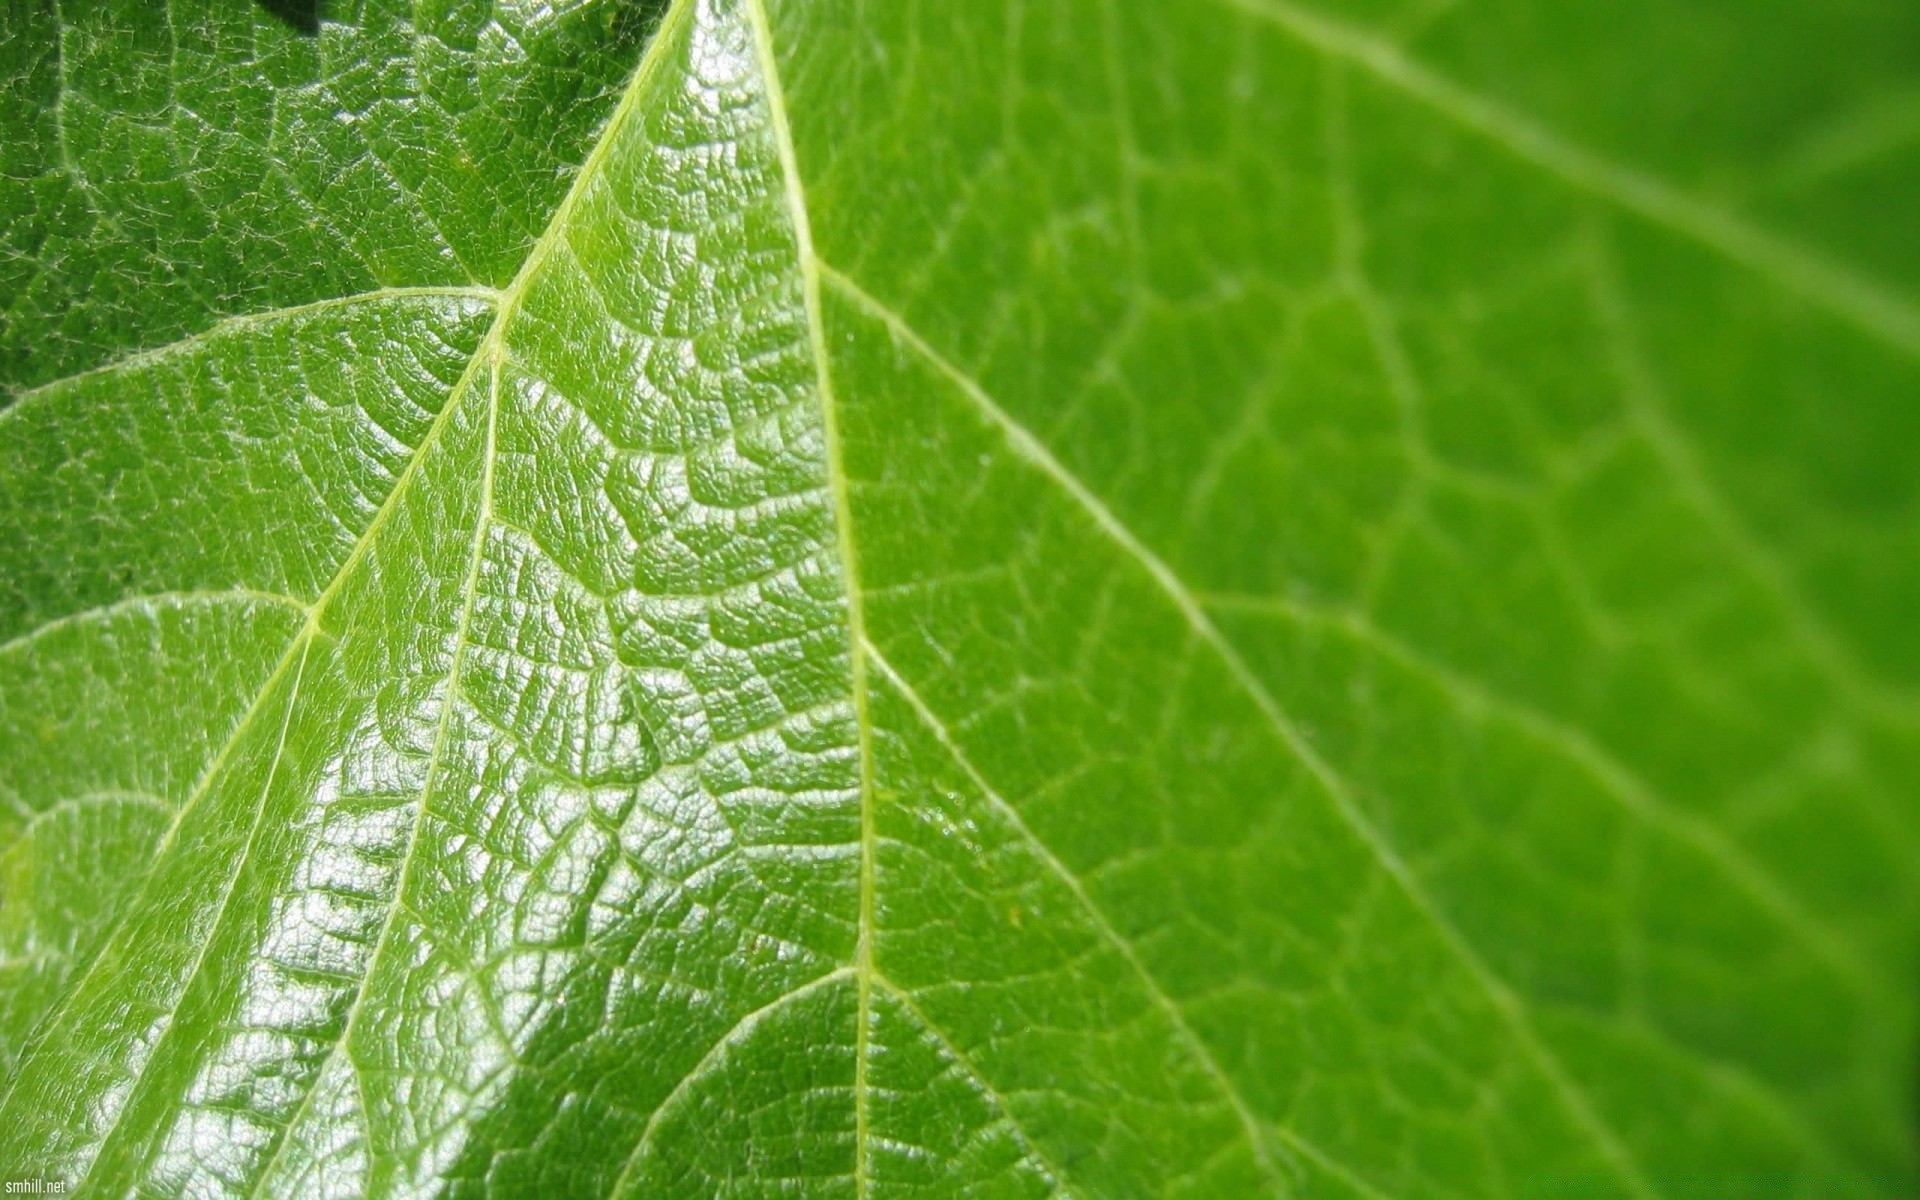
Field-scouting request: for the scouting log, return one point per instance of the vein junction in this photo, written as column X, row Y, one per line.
column 585, row 790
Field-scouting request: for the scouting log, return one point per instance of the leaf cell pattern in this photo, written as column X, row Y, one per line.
column 1070, row 600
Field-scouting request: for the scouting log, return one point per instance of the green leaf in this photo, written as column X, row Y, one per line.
column 1245, row 597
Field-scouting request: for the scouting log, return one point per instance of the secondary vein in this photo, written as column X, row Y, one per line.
column 1888, row 316
column 1028, row 446
column 239, row 321
column 486, row 358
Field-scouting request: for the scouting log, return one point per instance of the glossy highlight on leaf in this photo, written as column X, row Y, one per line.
column 772, row 598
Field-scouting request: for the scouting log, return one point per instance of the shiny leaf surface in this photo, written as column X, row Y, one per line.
column 777, row 598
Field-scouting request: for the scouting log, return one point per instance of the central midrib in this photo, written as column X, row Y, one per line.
column 865, row 973
column 808, row 265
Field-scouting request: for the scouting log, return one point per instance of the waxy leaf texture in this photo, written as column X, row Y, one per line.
column 1097, row 598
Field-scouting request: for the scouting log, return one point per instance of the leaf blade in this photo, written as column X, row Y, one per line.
column 1159, row 677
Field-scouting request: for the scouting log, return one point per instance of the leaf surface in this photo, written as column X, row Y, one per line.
column 1094, row 599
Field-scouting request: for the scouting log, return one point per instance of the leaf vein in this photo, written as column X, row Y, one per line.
column 1023, row 442
column 739, row 1030
column 1055, row 1175
column 152, row 354
column 152, row 600
column 435, row 759
column 1243, row 1113
column 231, row 886
column 809, row 266
column 1618, row 780
column 1892, row 318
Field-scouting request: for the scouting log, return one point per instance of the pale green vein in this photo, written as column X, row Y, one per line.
column 148, row 602
column 1885, row 314
column 88, row 799
column 1647, row 406
column 1615, row 778
column 493, row 353
column 1157, row 995
column 486, row 357
column 61, row 140
column 1024, row 443
column 435, row 760
column 294, row 656
column 1876, row 130
column 232, row 884
column 809, row 265
column 36, row 817
column 1350, row 239
column 960, row 1058
column 715, row 1055
column 1127, row 143
column 243, row 321
column 295, row 652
